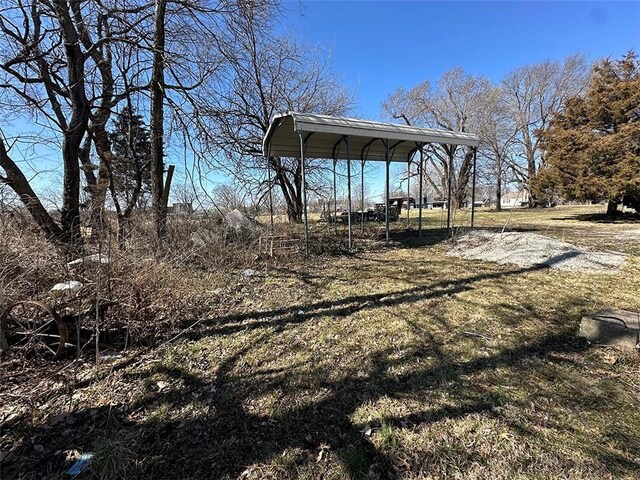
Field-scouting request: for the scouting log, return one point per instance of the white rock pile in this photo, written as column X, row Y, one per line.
column 528, row 249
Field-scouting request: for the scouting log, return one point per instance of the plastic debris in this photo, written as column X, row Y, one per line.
column 102, row 258
column 71, row 287
column 79, row 465
column 162, row 385
column 248, row 273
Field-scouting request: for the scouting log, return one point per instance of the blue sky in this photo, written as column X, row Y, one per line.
column 378, row 46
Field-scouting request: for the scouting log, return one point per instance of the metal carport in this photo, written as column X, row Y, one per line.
column 304, row 135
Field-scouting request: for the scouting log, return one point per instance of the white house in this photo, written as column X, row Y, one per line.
column 514, row 199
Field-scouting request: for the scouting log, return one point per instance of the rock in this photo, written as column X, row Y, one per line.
column 239, row 221
column 611, row 327
column 71, row 287
column 101, row 258
column 367, row 431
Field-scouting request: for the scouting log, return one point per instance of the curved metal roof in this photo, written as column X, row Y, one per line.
column 325, row 137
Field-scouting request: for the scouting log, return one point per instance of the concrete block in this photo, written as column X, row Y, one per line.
column 611, row 327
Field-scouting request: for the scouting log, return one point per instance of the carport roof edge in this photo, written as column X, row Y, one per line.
column 325, row 135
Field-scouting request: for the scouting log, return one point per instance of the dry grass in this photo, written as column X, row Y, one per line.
column 386, row 363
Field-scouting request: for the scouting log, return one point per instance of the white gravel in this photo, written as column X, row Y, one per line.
column 529, row 249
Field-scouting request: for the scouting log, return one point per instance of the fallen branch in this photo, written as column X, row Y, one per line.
column 472, row 334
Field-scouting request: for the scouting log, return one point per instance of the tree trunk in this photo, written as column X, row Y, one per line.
column 156, row 127
column 292, row 192
column 123, row 231
column 499, row 193
column 463, row 179
column 96, row 204
column 99, row 194
column 16, row 180
column 73, row 132
column 612, row 208
column 76, row 128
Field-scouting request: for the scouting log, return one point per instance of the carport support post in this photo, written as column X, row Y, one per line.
column 303, row 145
column 449, row 203
column 269, row 185
column 408, row 188
column 346, row 141
column 386, row 189
column 473, row 187
column 420, row 193
column 362, row 197
column 335, row 200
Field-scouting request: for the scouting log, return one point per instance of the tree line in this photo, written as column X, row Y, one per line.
column 209, row 75
column 553, row 128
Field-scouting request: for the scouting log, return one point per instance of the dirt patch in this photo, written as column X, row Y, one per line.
column 529, row 249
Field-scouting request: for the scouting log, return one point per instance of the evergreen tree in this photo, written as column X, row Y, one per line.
column 130, row 145
column 593, row 145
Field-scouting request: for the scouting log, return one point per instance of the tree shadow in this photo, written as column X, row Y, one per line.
column 226, row 324
column 620, row 218
column 204, row 423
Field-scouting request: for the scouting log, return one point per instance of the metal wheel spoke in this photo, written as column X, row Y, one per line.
column 35, row 332
column 34, row 328
column 45, row 345
column 25, row 329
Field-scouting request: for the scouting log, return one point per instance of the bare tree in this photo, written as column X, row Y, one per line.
column 68, row 65
column 57, row 68
column 498, row 135
column 229, row 197
column 454, row 104
column 158, row 197
column 265, row 75
column 533, row 93
column 44, row 74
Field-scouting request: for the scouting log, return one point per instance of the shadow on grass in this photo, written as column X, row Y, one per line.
column 227, row 324
column 620, row 218
column 210, row 430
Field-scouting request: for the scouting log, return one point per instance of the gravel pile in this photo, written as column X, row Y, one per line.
column 529, row 249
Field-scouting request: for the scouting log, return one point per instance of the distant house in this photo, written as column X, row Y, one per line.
column 514, row 199
column 181, row 208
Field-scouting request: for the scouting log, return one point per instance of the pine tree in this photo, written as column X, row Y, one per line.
column 593, row 145
column 130, row 163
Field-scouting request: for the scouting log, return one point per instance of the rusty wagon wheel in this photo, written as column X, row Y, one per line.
column 33, row 328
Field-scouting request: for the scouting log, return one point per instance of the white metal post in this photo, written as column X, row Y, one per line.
column 420, row 192
column 386, row 188
column 362, row 197
column 408, row 188
column 449, row 202
column 335, row 200
column 269, row 185
column 303, row 145
column 473, row 187
column 346, row 141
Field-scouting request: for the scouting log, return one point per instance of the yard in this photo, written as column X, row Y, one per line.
column 395, row 362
